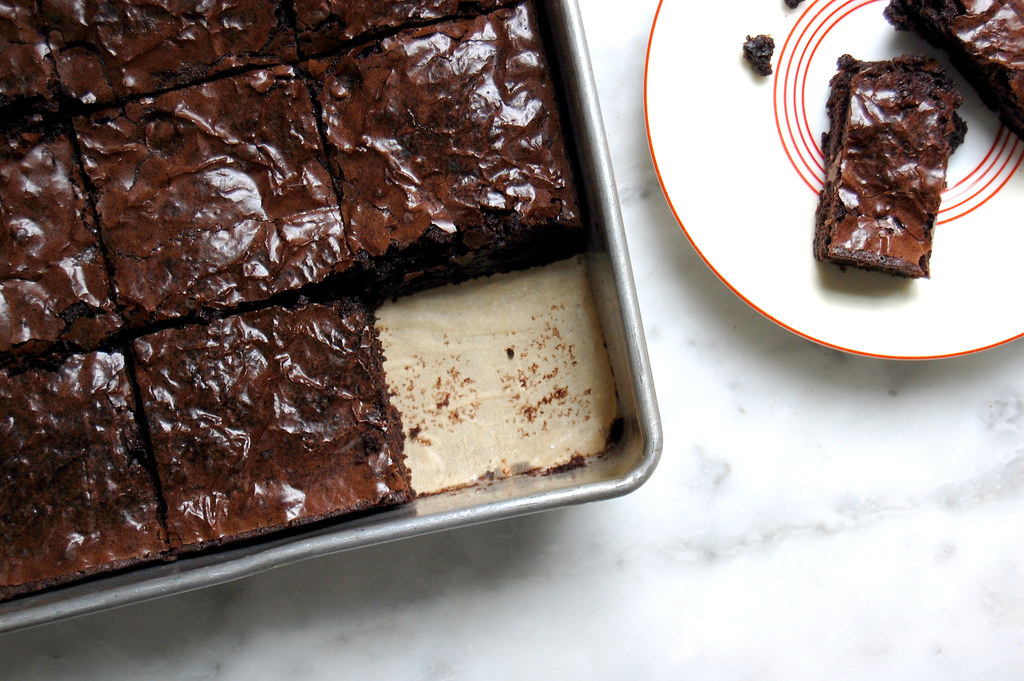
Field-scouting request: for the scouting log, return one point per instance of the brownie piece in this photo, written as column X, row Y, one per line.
column 758, row 51
column 53, row 278
column 324, row 24
column 28, row 79
column 213, row 195
column 448, row 149
column 76, row 496
column 268, row 420
column 984, row 40
column 108, row 49
column 893, row 126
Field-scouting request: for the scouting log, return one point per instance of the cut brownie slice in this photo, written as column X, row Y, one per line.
column 28, row 79
column 893, row 128
column 53, row 279
column 213, row 195
column 108, row 49
column 449, row 152
column 268, row 420
column 76, row 496
column 324, row 24
column 984, row 40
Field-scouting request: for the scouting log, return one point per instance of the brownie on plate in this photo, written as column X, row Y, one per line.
column 110, row 49
column 324, row 24
column 270, row 419
column 213, row 195
column 448, row 150
column 53, row 279
column 984, row 40
column 76, row 494
column 893, row 127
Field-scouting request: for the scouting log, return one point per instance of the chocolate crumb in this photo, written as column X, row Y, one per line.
column 758, row 52
column 793, row 4
column 414, row 432
column 510, row 352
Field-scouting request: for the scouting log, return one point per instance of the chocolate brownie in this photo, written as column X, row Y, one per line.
column 893, row 128
column 53, row 278
column 108, row 49
column 984, row 40
column 324, row 24
column 213, row 195
column 28, row 79
column 76, row 496
column 270, row 419
column 448, row 149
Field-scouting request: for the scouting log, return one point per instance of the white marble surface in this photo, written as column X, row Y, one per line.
column 814, row 516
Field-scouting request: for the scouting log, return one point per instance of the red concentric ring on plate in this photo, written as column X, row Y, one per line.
column 971, row 181
column 801, row 145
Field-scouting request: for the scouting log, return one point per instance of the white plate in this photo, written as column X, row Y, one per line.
column 739, row 158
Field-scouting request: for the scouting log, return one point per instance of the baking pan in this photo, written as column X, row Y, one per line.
column 623, row 466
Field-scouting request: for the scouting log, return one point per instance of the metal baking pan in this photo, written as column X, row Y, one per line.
column 621, row 468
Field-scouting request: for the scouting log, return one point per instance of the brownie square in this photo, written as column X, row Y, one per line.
column 448, row 149
column 213, row 195
column 268, row 420
column 27, row 75
column 324, row 24
column 76, row 497
column 984, row 40
column 53, row 278
column 893, row 127
column 108, row 49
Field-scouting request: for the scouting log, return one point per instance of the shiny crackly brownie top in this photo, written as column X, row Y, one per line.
column 74, row 495
column 890, row 170
column 26, row 71
column 106, row 49
column 444, row 125
column 53, row 280
column 323, row 24
column 213, row 195
column 992, row 30
column 268, row 419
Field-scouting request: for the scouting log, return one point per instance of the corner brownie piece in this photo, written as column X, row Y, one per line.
column 893, row 128
column 109, row 49
column 76, row 496
column 448, row 149
column 53, row 279
column 213, row 195
column 324, row 24
column 28, row 79
column 984, row 40
column 268, row 420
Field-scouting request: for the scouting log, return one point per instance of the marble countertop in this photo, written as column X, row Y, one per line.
column 815, row 515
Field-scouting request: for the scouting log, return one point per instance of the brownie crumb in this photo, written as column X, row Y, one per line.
column 758, row 52
column 793, row 4
column 510, row 352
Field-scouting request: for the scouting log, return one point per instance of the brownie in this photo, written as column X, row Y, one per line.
column 53, row 278
column 893, row 126
column 324, row 24
column 213, row 195
column 109, row 49
column 984, row 40
column 268, row 420
column 758, row 51
column 448, row 149
column 28, row 79
column 76, row 495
